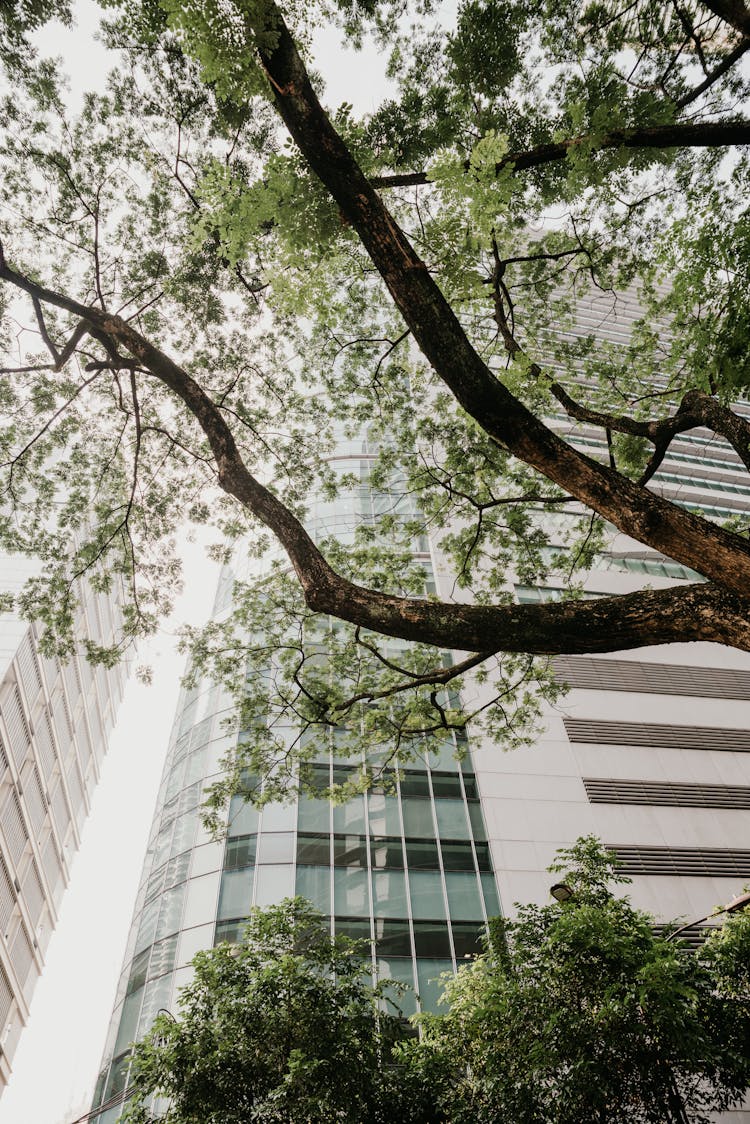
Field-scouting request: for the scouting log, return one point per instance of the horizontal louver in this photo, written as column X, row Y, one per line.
column 45, row 746
column 7, row 896
column 29, row 668
column 700, row 862
column 13, row 826
column 33, row 894
column 657, row 735
column 6, row 997
column 21, row 955
column 652, row 678
column 603, row 790
column 18, row 731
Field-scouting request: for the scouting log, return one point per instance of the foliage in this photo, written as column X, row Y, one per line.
column 213, row 297
column 578, row 1011
column 282, row 1027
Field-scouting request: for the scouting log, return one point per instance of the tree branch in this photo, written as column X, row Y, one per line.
column 703, row 134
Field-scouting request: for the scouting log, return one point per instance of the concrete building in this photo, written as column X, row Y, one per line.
column 54, row 725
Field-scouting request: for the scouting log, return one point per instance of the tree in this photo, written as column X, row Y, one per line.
column 282, row 1027
column 578, row 1011
column 222, row 275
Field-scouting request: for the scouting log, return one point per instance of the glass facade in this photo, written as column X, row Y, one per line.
column 405, row 866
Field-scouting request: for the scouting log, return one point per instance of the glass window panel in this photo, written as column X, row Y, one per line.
column 491, row 900
column 350, row 894
column 243, row 817
column 349, row 850
column 128, row 1021
column 483, row 856
column 457, row 854
column 357, row 928
column 415, row 783
column 312, row 814
column 426, row 894
column 389, row 893
column 418, row 817
column 467, row 939
column 230, row 931
column 384, row 815
column 195, row 766
column 422, row 854
column 343, row 773
column 430, row 986
column 170, row 914
column 452, row 820
column 464, row 901
column 240, row 852
column 157, row 996
column 392, row 937
column 314, row 883
column 477, row 820
column 184, row 832
column 386, row 853
column 441, row 753
column 163, row 956
column 398, row 1000
column 200, row 900
column 273, row 883
column 447, row 786
column 350, row 816
column 236, row 893
column 137, row 977
column 431, row 939
column 385, row 782
column 314, row 848
column 276, row 847
column 279, row 817
column 147, row 928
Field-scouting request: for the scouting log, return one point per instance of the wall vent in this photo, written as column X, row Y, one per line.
column 652, row 678
column 605, row 790
column 698, row 862
column 657, row 735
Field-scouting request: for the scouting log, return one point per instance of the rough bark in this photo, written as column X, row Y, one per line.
column 720, row 555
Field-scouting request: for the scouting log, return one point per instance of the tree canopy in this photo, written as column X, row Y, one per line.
column 211, row 277
column 282, row 1027
column 579, row 1011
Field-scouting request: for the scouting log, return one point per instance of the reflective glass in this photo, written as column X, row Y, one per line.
column 350, row 894
column 240, row 852
column 418, row 817
column 430, row 985
column 243, row 817
column 457, row 854
column 415, row 783
column 276, row 847
column 170, row 914
column 491, row 900
column 447, row 786
column 431, row 939
column 389, row 894
column 273, row 883
column 467, row 939
column 452, row 819
column 314, row 883
column 386, row 853
column 312, row 814
column 236, row 893
column 384, row 815
column 477, row 820
column 393, row 937
column 357, row 928
column 402, row 971
column 349, row 850
column 464, row 900
column 350, row 816
column 422, row 854
column 230, row 931
column 314, row 848
column 426, row 894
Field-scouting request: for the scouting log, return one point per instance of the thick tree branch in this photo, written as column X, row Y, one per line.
column 649, row 518
column 705, row 134
column 733, row 12
column 697, row 612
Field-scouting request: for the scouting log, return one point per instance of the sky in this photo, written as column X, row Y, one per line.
column 58, row 1057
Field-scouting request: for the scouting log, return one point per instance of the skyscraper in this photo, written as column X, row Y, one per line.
column 54, row 723
column 648, row 751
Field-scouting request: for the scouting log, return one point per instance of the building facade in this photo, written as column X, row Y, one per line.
column 649, row 750
column 54, row 725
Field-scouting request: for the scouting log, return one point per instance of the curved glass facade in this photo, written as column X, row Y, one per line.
column 406, row 865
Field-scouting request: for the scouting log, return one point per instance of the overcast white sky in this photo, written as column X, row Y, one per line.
column 58, row 1057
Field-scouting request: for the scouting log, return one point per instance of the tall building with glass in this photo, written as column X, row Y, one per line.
column 55, row 722
column 649, row 750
